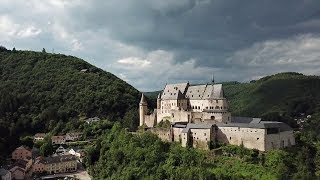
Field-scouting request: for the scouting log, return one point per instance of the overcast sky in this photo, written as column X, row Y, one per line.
column 149, row 43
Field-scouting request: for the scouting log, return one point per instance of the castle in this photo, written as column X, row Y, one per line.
column 199, row 117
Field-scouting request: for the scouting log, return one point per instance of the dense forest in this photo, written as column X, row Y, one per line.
column 119, row 154
column 40, row 91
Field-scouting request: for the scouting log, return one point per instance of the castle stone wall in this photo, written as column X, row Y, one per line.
column 201, row 137
column 163, row 134
column 278, row 141
column 251, row 138
column 176, row 132
column 150, row 120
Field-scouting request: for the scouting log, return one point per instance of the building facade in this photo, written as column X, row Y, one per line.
column 60, row 164
column 39, row 136
column 58, row 140
column 5, row 174
column 187, row 103
column 199, row 116
column 73, row 136
column 22, row 152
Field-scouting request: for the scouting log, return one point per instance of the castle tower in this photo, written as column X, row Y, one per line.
column 142, row 109
column 159, row 101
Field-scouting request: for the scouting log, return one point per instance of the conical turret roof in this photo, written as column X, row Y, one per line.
column 143, row 99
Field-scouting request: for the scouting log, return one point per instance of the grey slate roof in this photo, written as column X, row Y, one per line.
column 57, row 159
column 184, row 90
column 259, row 125
column 215, row 110
column 196, row 126
column 213, row 92
column 242, row 119
column 143, row 99
column 174, row 91
column 196, row 92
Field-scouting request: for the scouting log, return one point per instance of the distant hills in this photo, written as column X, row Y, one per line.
column 287, row 93
column 38, row 90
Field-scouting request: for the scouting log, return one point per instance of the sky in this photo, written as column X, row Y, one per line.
column 149, row 43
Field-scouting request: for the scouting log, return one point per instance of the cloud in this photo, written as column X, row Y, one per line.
column 134, row 62
column 10, row 29
column 158, row 68
column 151, row 42
column 28, row 32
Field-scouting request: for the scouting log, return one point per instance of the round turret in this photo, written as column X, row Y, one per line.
column 142, row 109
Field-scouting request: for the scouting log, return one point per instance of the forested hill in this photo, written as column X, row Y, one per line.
column 284, row 93
column 38, row 90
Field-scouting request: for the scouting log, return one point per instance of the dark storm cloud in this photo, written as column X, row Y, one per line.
column 171, row 40
column 206, row 30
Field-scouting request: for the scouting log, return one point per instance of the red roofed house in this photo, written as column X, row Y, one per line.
column 58, row 140
column 17, row 172
column 22, row 152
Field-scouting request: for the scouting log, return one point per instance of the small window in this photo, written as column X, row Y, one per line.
column 230, row 138
column 205, row 134
column 257, row 138
column 217, row 101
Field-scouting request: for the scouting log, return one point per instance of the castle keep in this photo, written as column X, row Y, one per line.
column 199, row 116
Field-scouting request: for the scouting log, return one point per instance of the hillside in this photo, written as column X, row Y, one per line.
column 40, row 90
column 289, row 93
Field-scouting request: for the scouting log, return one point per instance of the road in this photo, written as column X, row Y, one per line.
column 82, row 175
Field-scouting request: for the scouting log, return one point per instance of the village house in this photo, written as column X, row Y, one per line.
column 58, row 140
column 73, row 136
column 61, row 150
column 17, row 173
column 39, row 165
column 5, row 174
column 77, row 153
column 24, row 164
column 39, row 136
column 22, row 152
column 92, row 120
column 60, row 164
column 199, row 116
